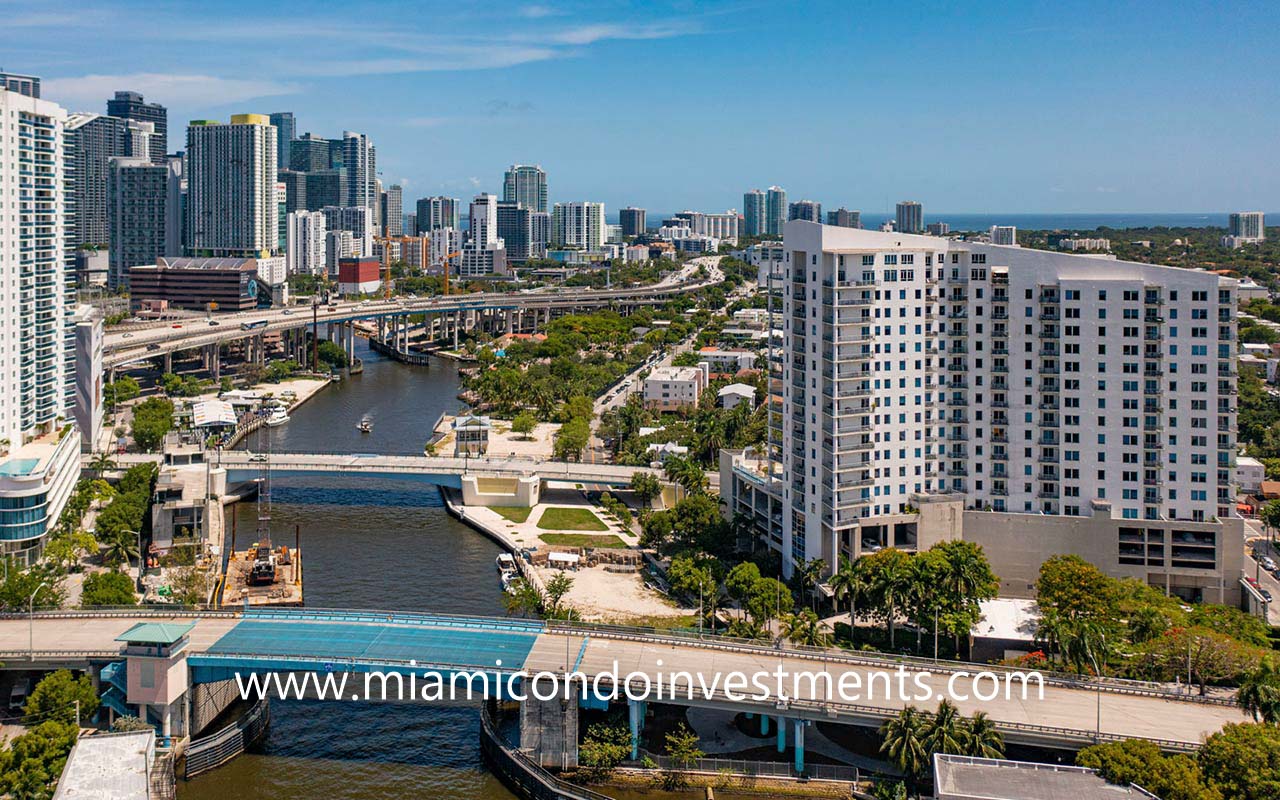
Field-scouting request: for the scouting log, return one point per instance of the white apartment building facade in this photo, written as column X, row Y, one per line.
column 578, row 225
column 39, row 446
column 1012, row 382
column 305, row 244
column 675, row 388
column 232, row 208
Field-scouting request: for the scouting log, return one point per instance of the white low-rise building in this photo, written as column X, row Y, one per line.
column 675, row 388
column 735, row 394
column 731, row 361
column 1249, row 474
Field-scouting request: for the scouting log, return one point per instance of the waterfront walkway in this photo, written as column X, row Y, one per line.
column 1070, row 713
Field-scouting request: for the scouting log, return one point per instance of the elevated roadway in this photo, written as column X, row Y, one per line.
column 1071, row 714
column 139, row 342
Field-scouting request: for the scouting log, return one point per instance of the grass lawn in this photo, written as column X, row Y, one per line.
column 583, row 540
column 513, row 513
column 571, row 519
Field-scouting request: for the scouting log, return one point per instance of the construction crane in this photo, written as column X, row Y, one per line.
column 386, row 260
column 445, row 262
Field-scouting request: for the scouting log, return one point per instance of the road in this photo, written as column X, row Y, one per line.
column 1065, row 713
column 1266, row 580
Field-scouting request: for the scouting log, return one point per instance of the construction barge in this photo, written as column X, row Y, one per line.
column 263, row 575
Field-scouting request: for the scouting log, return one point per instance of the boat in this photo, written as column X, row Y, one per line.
column 365, row 425
column 505, row 562
column 278, row 416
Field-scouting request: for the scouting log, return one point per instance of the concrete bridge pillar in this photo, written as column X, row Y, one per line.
column 549, row 730
column 351, row 340
column 260, row 348
column 457, row 321
column 168, row 362
column 635, row 712
column 214, row 357
column 782, row 735
column 799, row 742
column 764, row 724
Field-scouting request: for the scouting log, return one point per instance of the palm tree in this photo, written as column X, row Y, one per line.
column 1259, row 692
column 946, row 732
column 806, row 629
column 850, row 584
column 890, row 584
column 982, row 739
column 902, row 740
column 121, row 548
column 810, row 577
column 1146, row 623
column 101, row 463
column 525, row 600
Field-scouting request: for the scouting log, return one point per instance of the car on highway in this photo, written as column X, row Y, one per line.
column 259, row 458
column 127, row 336
column 214, row 322
column 287, row 312
column 153, row 346
column 1267, row 563
column 176, row 325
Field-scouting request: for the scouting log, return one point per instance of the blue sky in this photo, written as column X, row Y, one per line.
column 965, row 106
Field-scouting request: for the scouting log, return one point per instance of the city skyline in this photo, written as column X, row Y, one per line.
column 1063, row 137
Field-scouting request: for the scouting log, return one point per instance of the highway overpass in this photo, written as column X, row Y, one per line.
column 134, row 343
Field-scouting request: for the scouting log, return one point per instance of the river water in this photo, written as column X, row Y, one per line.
column 370, row 543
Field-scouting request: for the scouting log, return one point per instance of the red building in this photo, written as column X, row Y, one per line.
column 359, row 275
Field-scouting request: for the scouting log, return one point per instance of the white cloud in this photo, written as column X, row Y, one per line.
column 538, row 11
column 176, row 90
column 485, row 56
column 590, row 34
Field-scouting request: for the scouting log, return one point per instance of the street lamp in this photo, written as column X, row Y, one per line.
column 31, row 620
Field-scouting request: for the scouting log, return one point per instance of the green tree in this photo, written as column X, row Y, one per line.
column 55, row 698
column 1141, row 762
column 1079, row 610
column 34, row 761
column 524, row 599
column 850, row 584
column 809, row 578
column 645, row 485
column 557, row 588
column 1243, row 761
column 889, row 790
column 66, row 549
column 605, row 746
column 1259, row 692
column 152, row 419
column 982, row 739
column 1270, row 515
column 571, row 440
column 101, row 462
column 962, row 579
column 107, row 589
column 687, row 474
column 1201, row 655
column 524, row 423
column 121, row 547
column 890, row 582
column 902, row 740
column 682, row 748
column 806, row 629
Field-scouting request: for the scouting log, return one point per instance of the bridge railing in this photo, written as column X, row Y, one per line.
column 217, row 749
column 694, row 639
column 520, row 771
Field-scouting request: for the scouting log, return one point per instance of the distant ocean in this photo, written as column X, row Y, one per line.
column 1079, row 222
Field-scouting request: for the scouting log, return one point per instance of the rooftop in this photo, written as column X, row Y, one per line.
column 155, row 633
column 110, row 766
column 244, row 264
column 965, row 778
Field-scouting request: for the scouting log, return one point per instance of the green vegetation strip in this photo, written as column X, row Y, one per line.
column 583, row 540
column 513, row 513
column 571, row 519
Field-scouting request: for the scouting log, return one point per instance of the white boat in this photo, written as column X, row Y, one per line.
column 365, row 425
column 278, row 416
column 505, row 562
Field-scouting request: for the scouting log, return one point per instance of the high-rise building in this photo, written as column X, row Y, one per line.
column 90, row 142
column 130, row 105
column 632, row 221
column 844, row 218
column 515, row 229
column 1127, row 460
column 1004, row 234
column 356, row 219
column 775, row 210
column 526, row 185
column 144, row 211
column 445, row 243
column 909, row 217
column 286, row 128
column 325, row 187
column 305, row 252
column 1247, row 226
column 539, row 233
column 295, row 190
column 20, row 84
column 753, row 213
column 393, row 211
column 484, row 221
column 41, row 451
column 361, row 163
column 938, row 228
column 578, row 225
column 438, row 212
column 806, row 210
column 309, row 153
column 409, row 223
column 716, row 226
column 232, row 207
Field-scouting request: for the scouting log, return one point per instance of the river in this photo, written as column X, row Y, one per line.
column 370, row 543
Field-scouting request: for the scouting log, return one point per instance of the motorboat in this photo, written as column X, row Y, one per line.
column 277, row 416
column 365, row 425
column 505, row 562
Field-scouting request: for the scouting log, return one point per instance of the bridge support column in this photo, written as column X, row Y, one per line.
column 351, row 340
column 213, row 355
column 782, row 735
column 635, row 712
column 764, row 724
column 799, row 741
column 168, row 362
column 549, row 731
column 457, row 323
